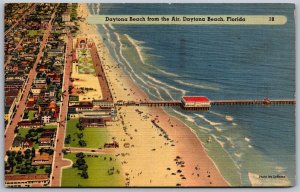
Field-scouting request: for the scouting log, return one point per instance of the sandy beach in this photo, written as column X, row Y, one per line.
column 162, row 150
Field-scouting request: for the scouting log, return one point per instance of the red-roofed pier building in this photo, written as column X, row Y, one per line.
column 195, row 102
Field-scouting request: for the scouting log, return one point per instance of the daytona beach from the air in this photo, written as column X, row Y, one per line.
column 174, row 18
column 107, row 105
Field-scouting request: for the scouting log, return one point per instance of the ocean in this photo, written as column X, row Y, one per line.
column 220, row 62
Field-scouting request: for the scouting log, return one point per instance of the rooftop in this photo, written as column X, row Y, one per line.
column 10, row 177
column 195, row 99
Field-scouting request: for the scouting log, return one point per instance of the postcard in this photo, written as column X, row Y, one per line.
column 149, row 95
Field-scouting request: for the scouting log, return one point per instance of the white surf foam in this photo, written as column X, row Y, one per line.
column 167, row 92
column 206, row 120
column 136, row 46
column 167, row 73
column 156, row 90
column 217, row 114
column 247, row 139
column 201, row 86
column 165, row 84
column 229, row 118
column 218, row 129
column 187, row 117
column 218, row 140
column 204, row 128
column 98, row 8
column 111, row 26
column 126, row 61
column 238, row 155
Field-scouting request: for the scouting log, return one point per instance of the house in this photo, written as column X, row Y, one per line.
column 26, row 180
column 45, row 141
column 13, row 84
column 26, row 144
column 49, row 133
column 46, row 118
column 35, row 90
column 41, row 159
column 31, row 124
column 72, row 113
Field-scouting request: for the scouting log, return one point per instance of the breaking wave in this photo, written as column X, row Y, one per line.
column 197, row 85
column 187, row 117
column 165, row 84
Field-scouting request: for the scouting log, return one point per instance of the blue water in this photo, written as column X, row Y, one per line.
column 220, row 62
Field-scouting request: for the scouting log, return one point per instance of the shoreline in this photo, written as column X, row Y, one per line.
column 194, row 158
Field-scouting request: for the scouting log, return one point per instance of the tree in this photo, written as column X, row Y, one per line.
column 80, row 126
column 79, row 135
column 82, row 143
column 68, row 139
column 27, row 153
column 80, row 162
column 19, row 158
column 10, row 161
column 83, row 167
column 80, row 155
column 48, row 170
column 84, row 174
column 8, row 153
column 33, row 152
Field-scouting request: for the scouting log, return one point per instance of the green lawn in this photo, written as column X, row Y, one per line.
column 50, row 126
column 32, row 33
column 94, row 137
column 97, row 171
column 23, row 132
column 40, row 170
column 31, row 115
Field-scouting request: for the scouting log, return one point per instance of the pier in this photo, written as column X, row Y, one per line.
column 209, row 104
column 254, row 102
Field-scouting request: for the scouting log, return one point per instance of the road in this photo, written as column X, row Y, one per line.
column 58, row 161
column 9, row 131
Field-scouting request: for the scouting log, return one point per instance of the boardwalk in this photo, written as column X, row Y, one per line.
column 9, row 131
column 90, row 150
column 106, row 94
column 58, row 161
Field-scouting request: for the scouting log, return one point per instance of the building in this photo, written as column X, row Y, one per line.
column 45, row 142
column 72, row 113
column 103, row 103
column 46, row 118
column 82, row 42
column 195, row 102
column 66, row 17
column 42, row 159
column 94, row 121
column 26, row 180
column 31, row 124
